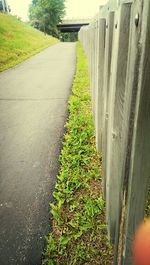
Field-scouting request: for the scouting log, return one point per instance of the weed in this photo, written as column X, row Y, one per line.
column 79, row 232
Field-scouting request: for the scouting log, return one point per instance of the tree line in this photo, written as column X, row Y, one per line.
column 45, row 15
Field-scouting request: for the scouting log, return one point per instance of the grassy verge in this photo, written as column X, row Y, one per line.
column 19, row 41
column 79, row 234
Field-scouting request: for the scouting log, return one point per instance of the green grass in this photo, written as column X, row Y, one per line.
column 78, row 233
column 147, row 209
column 19, row 41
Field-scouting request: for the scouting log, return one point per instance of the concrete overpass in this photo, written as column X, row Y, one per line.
column 73, row 25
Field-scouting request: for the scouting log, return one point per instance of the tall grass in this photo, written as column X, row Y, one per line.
column 79, row 233
column 19, row 41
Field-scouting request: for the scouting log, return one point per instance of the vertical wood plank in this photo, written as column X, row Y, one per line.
column 96, row 68
column 92, row 62
column 100, row 56
column 102, row 145
column 115, row 148
column 139, row 170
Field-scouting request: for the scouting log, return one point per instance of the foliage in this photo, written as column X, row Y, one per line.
column 46, row 15
column 79, row 234
column 147, row 209
column 69, row 37
column 18, row 41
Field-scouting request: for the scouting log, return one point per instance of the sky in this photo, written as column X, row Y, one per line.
column 74, row 8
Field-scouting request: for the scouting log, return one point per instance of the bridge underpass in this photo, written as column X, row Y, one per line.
column 72, row 25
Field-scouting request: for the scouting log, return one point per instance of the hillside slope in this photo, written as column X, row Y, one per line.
column 19, row 41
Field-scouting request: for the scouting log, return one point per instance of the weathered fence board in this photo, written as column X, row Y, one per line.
column 139, row 170
column 95, row 84
column 100, row 78
column 115, row 145
column 105, row 93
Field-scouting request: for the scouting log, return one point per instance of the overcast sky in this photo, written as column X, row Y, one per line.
column 74, row 8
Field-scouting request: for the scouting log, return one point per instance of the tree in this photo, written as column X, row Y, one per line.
column 70, row 36
column 47, row 14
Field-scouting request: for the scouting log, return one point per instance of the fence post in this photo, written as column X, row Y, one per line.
column 99, row 103
column 92, row 75
column 136, row 185
column 96, row 67
column 115, row 143
column 105, row 93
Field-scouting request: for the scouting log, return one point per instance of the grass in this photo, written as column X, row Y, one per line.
column 19, row 41
column 147, row 209
column 78, row 233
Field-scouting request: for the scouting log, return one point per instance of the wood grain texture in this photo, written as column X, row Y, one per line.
column 96, row 69
column 119, row 65
column 139, row 170
column 100, row 78
column 93, row 68
column 115, row 143
column 105, row 93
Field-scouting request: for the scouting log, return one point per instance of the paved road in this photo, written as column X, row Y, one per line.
column 33, row 109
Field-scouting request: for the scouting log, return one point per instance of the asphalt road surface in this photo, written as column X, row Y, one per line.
column 33, row 110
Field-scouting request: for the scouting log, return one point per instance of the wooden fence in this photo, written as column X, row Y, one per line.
column 117, row 44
